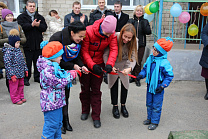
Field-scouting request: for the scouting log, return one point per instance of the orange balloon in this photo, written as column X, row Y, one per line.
column 204, row 9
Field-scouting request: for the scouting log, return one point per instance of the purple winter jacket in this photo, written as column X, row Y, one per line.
column 52, row 95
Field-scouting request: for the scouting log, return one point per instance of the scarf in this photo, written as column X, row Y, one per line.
column 32, row 15
column 102, row 11
column 71, row 51
column 9, row 25
column 153, row 80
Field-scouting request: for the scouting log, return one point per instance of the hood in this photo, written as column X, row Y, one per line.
column 7, row 47
column 42, row 63
column 135, row 18
column 96, row 27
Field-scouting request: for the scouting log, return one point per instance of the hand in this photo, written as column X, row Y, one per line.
column 82, row 18
column 37, row 23
column 57, row 16
column 14, row 78
column 114, row 70
column 73, row 73
column 97, row 69
column 85, row 70
column 159, row 89
column 103, row 16
column 76, row 67
column 26, row 73
column 139, row 77
column 126, row 71
column 34, row 22
column 108, row 68
column 72, row 19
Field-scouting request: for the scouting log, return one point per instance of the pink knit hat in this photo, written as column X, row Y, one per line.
column 5, row 12
column 109, row 24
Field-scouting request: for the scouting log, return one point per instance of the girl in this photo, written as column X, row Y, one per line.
column 142, row 29
column 15, row 67
column 53, row 80
column 126, row 60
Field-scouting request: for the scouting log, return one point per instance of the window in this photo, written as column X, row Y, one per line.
column 127, row 4
column 16, row 6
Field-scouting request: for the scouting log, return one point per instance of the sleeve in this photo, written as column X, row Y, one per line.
column 106, row 55
column 26, row 26
column 7, row 63
column 91, row 20
column 53, row 27
column 56, row 37
column 113, row 51
column 67, row 20
column 146, row 27
column 144, row 70
column 86, row 21
column 22, row 36
column 78, row 60
column 43, row 26
column 66, row 65
column 204, row 35
column 168, row 74
column 85, row 52
column 3, row 38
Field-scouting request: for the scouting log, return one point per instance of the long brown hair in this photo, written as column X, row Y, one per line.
column 132, row 45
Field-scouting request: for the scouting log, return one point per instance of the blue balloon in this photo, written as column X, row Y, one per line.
column 149, row 17
column 176, row 10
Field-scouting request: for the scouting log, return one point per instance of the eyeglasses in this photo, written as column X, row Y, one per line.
column 155, row 49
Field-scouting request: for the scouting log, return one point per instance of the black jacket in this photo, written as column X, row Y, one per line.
column 76, row 17
column 122, row 21
column 33, row 34
column 96, row 14
column 64, row 38
column 142, row 29
column 204, row 57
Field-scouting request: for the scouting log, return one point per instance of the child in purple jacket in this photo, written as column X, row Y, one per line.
column 53, row 80
column 15, row 66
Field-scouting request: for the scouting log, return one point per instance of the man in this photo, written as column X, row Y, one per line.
column 75, row 15
column 100, row 12
column 98, row 36
column 121, row 17
column 33, row 25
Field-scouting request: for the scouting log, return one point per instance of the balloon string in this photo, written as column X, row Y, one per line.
column 195, row 15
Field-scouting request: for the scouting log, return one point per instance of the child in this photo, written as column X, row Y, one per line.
column 53, row 80
column 15, row 67
column 159, row 74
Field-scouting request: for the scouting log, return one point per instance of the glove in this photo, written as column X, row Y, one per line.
column 73, row 73
column 26, row 73
column 159, row 89
column 108, row 68
column 139, row 77
column 14, row 78
column 97, row 69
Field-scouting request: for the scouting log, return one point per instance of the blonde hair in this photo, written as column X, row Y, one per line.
column 132, row 45
column 135, row 9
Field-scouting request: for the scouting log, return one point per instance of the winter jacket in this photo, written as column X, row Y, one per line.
column 165, row 72
column 14, row 62
column 121, row 21
column 54, row 25
column 4, row 39
column 97, row 14
column 33, row 34
column 52, row 94
column 204, row 57
column 94, row 44
column 121, row 65
column 76, row 17
column 64, row 38
column 142, row 29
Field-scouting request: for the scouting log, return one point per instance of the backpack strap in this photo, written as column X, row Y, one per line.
column 1, row 29
column 19, row 27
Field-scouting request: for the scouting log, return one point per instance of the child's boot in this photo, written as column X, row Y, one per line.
column 147, row 122
column 24, row 100
column 19, row 102
column 152, row 126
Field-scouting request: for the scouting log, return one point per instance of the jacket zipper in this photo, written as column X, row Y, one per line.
column 97, row 49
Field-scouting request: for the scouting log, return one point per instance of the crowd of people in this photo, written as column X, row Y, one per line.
column 109, row 45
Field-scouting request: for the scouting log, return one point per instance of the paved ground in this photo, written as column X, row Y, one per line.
column 184, row 108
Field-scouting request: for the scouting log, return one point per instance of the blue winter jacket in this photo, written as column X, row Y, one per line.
column 165, row 72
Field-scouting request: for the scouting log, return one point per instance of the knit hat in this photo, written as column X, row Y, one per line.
column 109, row 24
column 164, row 45
column 5, row 12
column 13, row 37
column 52, row 50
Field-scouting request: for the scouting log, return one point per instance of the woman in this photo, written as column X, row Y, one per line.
column 5, row 27
column 55, row 23
column 126, row 60
column 71, row 38
column 142, row 29
column 204, row 58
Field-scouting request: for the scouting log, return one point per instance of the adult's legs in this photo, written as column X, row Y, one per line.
column 29, row 57
column 206, row 95
column 37, row 53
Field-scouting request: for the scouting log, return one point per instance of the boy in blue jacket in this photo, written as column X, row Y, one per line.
column 159, row 74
